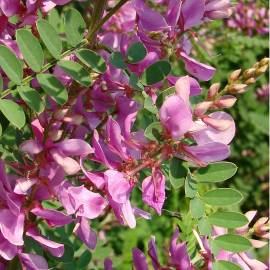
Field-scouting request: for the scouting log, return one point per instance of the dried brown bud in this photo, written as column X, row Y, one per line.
column 264, row 61
column 235, row 75
column 250, row 81
column 261, row 70
column 237, row 88
column 214, row 88
column 249, row 73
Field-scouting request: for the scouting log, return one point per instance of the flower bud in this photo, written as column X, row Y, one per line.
column 261, row 70
column 250, row 81
column 202, row 107
column 213, row 90
column 237, row 88
column 249, row 73
column 225, row 102
column 264, row 61
column 261, row 227
column 60, row 114
column 218, row 124
column 55, row 135
column 235, row 75
column 75, row 119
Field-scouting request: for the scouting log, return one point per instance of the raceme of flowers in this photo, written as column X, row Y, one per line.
column 250, row 18
column 85, row 150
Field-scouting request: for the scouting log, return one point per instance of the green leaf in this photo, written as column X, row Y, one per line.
column 30, row 49
column 76, row 71
column 153, row 131
column 50, row 204
column 222, row 197
column 74, row 27
column 13, row 112
column 117, row 60
column 178, row 172
column 92, row 60
column 134, row 82
column 136, row 52
column 233, row 242
column 50, row 38
column 148, row 104
column 84, row 259
column 204, row 226
column 216, row 172
column 260, row 121
column 228, row 219
column 162, row 96
column 156, row 72
column 32, row 98
column 54, row 88
column 190, row 186
column 11, row 65
column 196, row 208
column 225, row 265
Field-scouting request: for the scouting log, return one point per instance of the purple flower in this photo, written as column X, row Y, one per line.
column 175, row 113
column 153, row 190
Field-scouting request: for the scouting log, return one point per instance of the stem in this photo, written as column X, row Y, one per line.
column 45, row 68
column 199, row 240
column 105, row 19
column 99, row 8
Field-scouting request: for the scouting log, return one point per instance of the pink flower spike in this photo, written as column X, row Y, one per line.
column 33, row 262
column 153, row 190
column 192, row 11
column 200, row 71
column 54, row 248
column 75, row 147
column 85, row 233
column 210, row 134
column 139, row 260
column 152, row 252
column 218, row 124
column 31, row 147
column 12, row 227
column 182, row 88
column 176, row 116
column 54, row 218
column 69, row 165
column 178, row 252
column 118, row 187
column 9, row 7
column 7, row 250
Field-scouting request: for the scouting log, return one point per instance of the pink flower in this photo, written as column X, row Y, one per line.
column 153, row 190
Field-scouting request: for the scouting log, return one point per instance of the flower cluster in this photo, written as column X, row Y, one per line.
column 87, row 154
column 249, row 17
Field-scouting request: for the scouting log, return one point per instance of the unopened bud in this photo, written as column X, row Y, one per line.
column 75, row 119
column 218, row 124
column 237, row 88
column 226, row 101
column 264, row 61
column 235, row 75
column 202, row 107
column 261, row 70
column 55, row 135
column 214, row 88
column 59, row 115
column 249, row 73
column 250, row 81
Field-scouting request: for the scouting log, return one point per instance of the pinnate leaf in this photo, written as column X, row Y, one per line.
column 50, row 38
column 13, row 112
column 31, row 49
column 11, row 65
